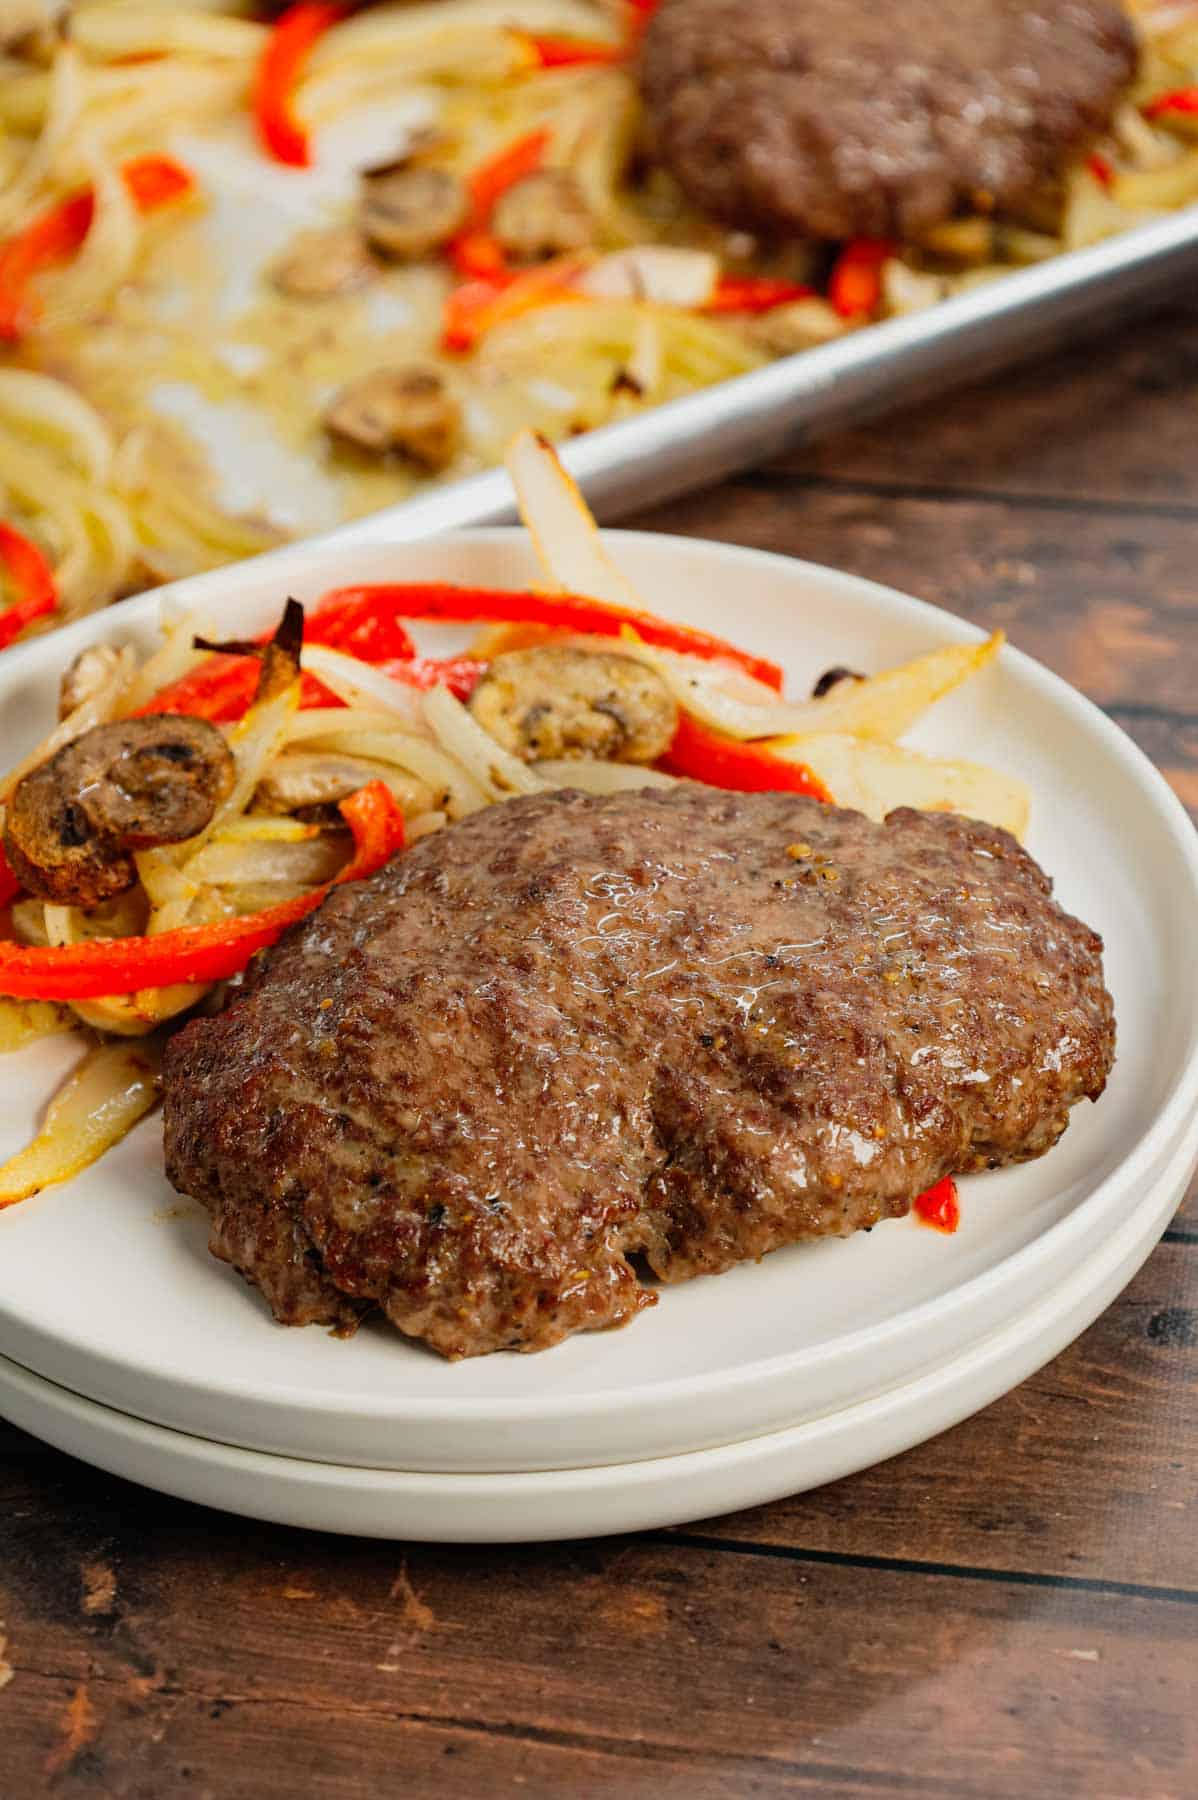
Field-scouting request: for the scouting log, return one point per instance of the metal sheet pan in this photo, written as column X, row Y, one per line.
column 697, row 440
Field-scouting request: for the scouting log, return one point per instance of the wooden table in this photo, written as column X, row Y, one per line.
column 1011, row 1610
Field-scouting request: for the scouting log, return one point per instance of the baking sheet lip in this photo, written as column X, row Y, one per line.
column 768, row 395
column 616, row 465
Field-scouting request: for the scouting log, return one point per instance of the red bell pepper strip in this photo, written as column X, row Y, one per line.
column 31, row 577
column 704, row 755
column 855, row 284
column 57, row 234
column 222, row 689
column 573, row 53
column 437, row 600
column 1100, row 167
column 754, row 294
column 639, row 14
column 460, row 674
column 563, row 52
column 939, row 1206
column 1180, row 100
column 478, row 256
column 503, row 170
column 474, row 253
column 101, row 967
column 359, row 629
column 287, row 50
column 219, row 689
column 477, row 307
column 470, row 311
column 155, row 181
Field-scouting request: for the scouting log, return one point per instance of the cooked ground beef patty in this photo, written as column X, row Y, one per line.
column 682, row 1022
column 846, row 118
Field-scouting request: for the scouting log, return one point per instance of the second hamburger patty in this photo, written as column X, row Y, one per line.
column 694, row 1024
column 847, row 118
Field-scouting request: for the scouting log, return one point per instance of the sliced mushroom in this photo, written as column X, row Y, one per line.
column 408, row 210
column 409, row 412
column 318, row 265
column 545, row 214
column 557, row 701
column 300, row 779
column 74, row 821
column 87, row 675
column 799, row 325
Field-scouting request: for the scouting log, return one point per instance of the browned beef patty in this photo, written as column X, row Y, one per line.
column 845, row 118
column 685, row 1022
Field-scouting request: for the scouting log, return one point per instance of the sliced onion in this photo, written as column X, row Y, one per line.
column 320, row 721
column 355, row 681
column 420, row 757
column 495, row 770
column 561, row 525
column 120, row 31
column 661, row 273
column 21, row 1021
column 107, row 253
column 101, row 1100
column 122, row 1015
column 724, row 699
column 593, row 777
column 176, row 656
column 266, row 828
column 255, row 741
column 64, row 104
column 59, row 411
column 401, row 32
column 301, row 865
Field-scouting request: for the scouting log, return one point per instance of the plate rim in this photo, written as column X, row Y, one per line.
column 1179, row 1103
column 1112, row 1263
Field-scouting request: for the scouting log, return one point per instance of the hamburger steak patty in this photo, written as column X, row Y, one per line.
column 683, row 1022
column 846, row 118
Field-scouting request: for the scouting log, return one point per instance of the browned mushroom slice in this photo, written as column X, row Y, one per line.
column 318, row 265
column 545, row 214
column 408, row 211
column 299, row 780
column 409, row 412
column 74, row 821
column 556, row 701
column 798, row 325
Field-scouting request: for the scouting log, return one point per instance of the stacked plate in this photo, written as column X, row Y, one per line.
column 123, row 1342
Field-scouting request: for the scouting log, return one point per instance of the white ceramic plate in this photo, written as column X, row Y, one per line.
column 107, row 1288
column 596, row 1502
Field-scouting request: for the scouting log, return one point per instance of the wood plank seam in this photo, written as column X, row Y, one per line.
column 902, row 1565
column 772, row 480
column 1145, row 709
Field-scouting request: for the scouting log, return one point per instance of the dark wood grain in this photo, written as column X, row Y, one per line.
column 1011, row 1609
column 654, row 1664
column 1090, row 1466
column 1059, row 430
